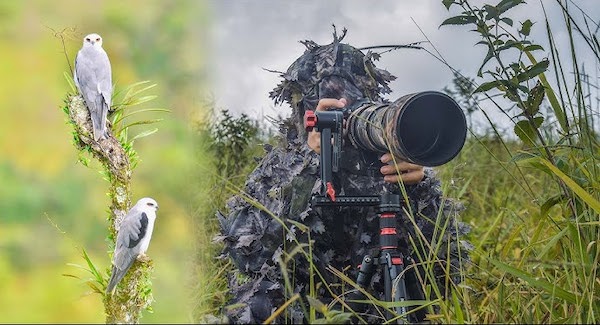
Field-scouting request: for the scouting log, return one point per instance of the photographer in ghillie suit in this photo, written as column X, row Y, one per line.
column 280, row 188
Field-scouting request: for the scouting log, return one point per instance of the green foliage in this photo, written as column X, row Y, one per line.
column 534, row 214
column 463, row 91
column 97, row 283
column 122, row 116
column 232, row 141
column 117, row 157
column 329, row 316
column 232, row 144
column 510, row 78
column 40, row 172
column 537, row 260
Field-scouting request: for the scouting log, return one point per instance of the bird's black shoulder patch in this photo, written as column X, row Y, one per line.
column 142, row 231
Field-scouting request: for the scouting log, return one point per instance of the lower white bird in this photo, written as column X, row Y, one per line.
column 133, row 239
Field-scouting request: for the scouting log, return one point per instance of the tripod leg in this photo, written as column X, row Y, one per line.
column 394, row 266
column 414, row 289
column 391, row 258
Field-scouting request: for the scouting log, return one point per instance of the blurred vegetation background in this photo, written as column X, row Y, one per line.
column 51, row 206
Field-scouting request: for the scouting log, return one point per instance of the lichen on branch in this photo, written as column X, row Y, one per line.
column 134, row 294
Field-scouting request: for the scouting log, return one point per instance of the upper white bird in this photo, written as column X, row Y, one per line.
column 133, row 239
column 93, row 79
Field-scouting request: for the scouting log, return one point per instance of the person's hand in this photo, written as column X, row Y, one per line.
column 392, row 173
column 314, row 137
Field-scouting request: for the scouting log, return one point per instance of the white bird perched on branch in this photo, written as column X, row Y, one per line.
column 133, row 239
column 93, row 79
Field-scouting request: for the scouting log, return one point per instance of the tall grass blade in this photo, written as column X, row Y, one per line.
column 142, row 123
column 493, row 227
column 552, row 243
column 460, row 319
column 71, row 83
column 539, row 283
column 92, row 267
column 580, row 192
column 140, row 100
column 280, row 310
column 124, row 116
column 144, row 134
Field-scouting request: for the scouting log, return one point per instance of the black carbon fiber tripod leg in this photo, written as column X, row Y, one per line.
column 365, row 273
column 394, row 282
column 391, row 260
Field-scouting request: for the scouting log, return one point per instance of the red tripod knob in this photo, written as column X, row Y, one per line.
column 310, row 120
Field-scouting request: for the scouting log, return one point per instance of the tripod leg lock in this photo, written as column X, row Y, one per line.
column 365, row 272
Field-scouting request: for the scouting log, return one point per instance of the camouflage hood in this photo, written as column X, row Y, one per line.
column 330, row 71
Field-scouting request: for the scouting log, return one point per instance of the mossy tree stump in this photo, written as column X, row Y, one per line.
column 133, row 294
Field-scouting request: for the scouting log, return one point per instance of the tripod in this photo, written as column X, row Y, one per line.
column 389, row 258
column 388, row 206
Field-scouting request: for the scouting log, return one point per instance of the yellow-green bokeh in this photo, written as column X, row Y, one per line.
column 42, row 184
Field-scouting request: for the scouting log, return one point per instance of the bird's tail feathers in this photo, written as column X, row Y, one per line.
column 99, row 115
column 115, row 277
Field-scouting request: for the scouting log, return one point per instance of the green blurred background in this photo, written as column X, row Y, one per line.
column 52, row 206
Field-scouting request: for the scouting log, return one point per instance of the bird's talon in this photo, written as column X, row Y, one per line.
column 143, row 258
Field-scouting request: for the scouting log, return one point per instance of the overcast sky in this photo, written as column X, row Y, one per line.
column 251, row 35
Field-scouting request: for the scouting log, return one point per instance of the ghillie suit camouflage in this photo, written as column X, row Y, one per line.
column 278, row 193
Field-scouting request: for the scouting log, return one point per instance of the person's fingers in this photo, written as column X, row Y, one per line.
column 386, row 158
column 327, row 103
column 409, row 178
column 413, row 177
column 393, row 172
column 400, row 167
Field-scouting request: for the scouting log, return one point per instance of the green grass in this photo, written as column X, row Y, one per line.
column 531, row 194
column 533, row 202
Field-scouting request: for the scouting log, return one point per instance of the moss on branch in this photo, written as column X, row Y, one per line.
column 134, row 293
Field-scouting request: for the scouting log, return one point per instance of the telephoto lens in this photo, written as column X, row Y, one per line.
column 425, row 128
